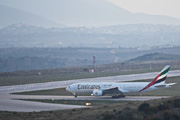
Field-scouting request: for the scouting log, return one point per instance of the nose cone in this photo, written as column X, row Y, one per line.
column 67, row 88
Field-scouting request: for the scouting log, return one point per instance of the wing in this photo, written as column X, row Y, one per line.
column 111, row 90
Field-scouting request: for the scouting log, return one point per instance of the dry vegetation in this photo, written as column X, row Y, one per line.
column 164, row 109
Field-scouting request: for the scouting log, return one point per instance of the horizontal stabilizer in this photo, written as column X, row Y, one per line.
column 171, row 84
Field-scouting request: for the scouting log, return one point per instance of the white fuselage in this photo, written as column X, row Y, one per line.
column 124, row 87
column 100, row 88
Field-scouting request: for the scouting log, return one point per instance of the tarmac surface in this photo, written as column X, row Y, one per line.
column 127, row 98
column 9, row 102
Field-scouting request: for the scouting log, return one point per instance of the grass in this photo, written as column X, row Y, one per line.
column 33, row 76
column 16, row 80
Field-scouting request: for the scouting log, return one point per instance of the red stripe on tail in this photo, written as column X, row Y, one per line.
column 150, row 84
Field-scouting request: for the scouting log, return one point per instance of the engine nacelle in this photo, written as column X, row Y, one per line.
column 97, row 93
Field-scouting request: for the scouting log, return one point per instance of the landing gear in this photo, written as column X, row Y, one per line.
column 122, row 96
column 75, row 95
column 115, row 96
column 118, row 95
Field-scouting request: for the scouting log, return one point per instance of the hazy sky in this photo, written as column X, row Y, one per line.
column 155, row 7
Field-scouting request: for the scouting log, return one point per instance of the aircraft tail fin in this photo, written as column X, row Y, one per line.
column 160, row 78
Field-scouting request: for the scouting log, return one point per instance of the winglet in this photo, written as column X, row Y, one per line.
column 161, row 77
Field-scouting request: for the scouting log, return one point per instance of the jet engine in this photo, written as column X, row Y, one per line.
column 97, row 93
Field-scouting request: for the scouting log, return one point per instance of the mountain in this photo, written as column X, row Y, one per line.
column 88, row 13
column 156, row 57
column 104, row 13
column 142, row 36
column 15, row 16
column 27, row 63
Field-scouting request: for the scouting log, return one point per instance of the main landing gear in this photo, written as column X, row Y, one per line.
column 116, row 95
column 75, row 95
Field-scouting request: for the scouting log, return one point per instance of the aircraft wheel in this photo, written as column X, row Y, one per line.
column 115, row 96
column 118, row 96
column 122, row 96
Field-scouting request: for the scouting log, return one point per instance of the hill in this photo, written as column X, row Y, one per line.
column 84, row 13
column 13, row 59
column 104, row 13
column 156, row 57
column 15, row 16
column 141, row 36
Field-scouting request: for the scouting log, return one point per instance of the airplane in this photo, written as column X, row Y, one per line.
column 118, row 89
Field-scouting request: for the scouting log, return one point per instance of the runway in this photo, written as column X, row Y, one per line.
column 61, row 84
column 8, row 102
column 127, row 98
